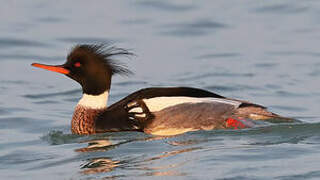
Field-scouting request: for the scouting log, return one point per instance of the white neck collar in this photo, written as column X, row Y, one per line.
column 94, row 101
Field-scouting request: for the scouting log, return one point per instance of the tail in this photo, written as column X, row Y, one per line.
column 273, row 118
column 260, row 113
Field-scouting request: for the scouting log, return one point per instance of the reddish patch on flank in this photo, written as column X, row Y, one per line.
column 77, row 64
column 234, row 123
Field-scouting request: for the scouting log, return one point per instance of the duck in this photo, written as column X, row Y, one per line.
column 160, row 111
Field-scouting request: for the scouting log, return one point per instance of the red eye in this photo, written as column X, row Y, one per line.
column 77, row 64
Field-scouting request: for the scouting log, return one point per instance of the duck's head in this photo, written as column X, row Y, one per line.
column 92, row 66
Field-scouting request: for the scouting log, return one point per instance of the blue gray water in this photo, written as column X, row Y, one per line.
column 262, row 51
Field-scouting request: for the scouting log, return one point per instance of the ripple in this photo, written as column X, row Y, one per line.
column 232, row 88
column 222, row 88
column 18, row 144
column 117, row 95
column 25, row 124
column 186, row 142
column 11, row 110
column 88, row 40
column 3, row 112
column 217, row 74
column 71, row 99
column 281, row 9
column 45, row 95
column 290, row 108
column 294, row 53
column 22, row 157
column 129, row 83
column 136, row 21
column 291, row 133
column 14, row 82
column 11, row 42
column 46, row 102
column 307, row 175
column 273, row 86
column 166, row 6
column 314, row 73
column 58, row 137
column 30, row 57
column 265, row 65
column 218, row 55
column 289, row 94
column 239, row 178
column 195, row 28
column 50, row 19
column 282, row 128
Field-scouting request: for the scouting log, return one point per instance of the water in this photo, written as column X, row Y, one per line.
column 262, row 51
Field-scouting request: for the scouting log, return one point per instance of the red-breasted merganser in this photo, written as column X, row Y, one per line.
column 157, row 110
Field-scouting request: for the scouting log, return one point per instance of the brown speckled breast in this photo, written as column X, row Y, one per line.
column 83, row 120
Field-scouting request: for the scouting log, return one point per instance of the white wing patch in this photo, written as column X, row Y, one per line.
column 136, row 110
column 159, row 103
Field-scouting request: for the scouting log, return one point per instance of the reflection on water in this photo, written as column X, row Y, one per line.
column 172, row 153
column 96, row 145
column 100, row 145
column 99, row 165
column 144, row 164
column 159, row 162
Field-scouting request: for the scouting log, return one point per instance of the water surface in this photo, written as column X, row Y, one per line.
column 262, row 51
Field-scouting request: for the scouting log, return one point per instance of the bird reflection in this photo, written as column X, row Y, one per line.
column 143, row 164
column 172, row 153
column 97, row 145
column 99, row 165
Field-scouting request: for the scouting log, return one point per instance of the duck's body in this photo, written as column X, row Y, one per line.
column 167, row 111
column 158, row 111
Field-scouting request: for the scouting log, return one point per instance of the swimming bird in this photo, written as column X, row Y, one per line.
column 156, row 110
